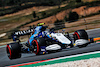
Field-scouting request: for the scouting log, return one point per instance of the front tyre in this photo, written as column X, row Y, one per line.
column 13, row 50
column 80, row 34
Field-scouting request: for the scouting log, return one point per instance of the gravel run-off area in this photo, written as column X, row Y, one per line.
column 93, row 62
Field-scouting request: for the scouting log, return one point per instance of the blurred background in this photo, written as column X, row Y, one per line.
column 68, row 15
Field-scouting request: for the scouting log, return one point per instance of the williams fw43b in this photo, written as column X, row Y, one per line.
column 44, row 41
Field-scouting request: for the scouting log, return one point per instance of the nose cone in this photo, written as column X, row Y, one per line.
column 81, row 42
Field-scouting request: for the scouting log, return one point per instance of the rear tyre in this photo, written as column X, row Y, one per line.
column 13, row 50
column 37, row 43
column 80, row 34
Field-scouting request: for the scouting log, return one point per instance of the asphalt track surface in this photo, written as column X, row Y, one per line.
column 5, row 61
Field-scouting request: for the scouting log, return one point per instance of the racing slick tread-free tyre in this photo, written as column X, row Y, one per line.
column 80, row 34
column 37, row 43
column 13, row 50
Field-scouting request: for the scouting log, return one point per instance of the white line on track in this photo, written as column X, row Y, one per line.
column 74, row 56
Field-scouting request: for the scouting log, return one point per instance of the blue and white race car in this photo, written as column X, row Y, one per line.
column 44, row 41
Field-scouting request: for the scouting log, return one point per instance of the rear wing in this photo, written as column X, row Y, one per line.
column 24, row 32
column 16, row 35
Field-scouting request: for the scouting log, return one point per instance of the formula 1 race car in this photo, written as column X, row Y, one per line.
column 44, row 41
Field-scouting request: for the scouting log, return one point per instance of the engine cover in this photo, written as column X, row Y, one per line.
column 53, row 47
column 61, row 38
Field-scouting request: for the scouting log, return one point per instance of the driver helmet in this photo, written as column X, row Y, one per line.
column 40, row 24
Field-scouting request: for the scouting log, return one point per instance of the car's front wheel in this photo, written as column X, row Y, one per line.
column 80, row 34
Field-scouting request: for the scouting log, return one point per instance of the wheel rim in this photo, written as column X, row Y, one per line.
column 76, row 35
column 9, row 51
column 35, row 46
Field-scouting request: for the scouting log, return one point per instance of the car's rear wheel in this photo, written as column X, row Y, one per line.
column 80, row 34
column 36, row 47
column 37, row 43
column 13, row 50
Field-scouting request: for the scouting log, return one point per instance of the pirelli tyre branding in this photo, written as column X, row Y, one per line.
column 24, row 32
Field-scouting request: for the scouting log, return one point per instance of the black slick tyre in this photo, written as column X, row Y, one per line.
column 80, row 34
column 13, row 50
column 37, row 43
